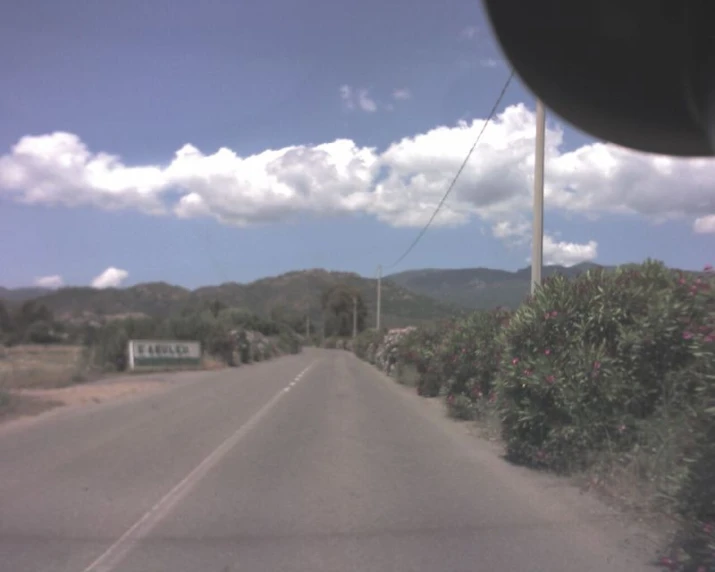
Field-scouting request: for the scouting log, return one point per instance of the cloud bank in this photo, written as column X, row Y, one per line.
column 400, row 185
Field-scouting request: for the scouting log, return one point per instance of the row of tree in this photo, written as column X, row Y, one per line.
column 33, row 322
column 30, row 322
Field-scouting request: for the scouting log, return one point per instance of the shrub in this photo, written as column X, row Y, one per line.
column 366, row 344
column 471, row 354
column 617, row 367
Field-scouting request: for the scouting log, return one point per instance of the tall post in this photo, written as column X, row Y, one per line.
column 355, row 306
column 379, row 296
column 537, row 241
column 307, row 327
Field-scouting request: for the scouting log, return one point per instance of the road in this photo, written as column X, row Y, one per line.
column 310, row 463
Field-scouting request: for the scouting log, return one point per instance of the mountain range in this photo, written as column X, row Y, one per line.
column 410, row 297
column 294, row 295
column 480, row 288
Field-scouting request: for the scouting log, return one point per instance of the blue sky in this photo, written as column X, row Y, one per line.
column 141, row 80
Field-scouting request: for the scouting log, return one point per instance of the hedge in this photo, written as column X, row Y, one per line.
column 598, row 366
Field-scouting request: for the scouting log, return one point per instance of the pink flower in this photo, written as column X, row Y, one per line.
column 547, row 352
column 597, row 365
column 546, row 316
column 708, row 268
column 708, row 339
column 554, row 314
column 708, row 528
column 681, row 281
column 515, row 361
column 527, row 372
column 687, row 335
column 550, row 379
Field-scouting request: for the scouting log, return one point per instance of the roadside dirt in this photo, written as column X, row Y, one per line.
column 92, row 392
column 22, row 405
column 642, row 533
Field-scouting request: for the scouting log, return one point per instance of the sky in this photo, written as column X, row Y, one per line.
column 200, row 143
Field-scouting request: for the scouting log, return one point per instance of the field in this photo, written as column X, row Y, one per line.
column 40, row 367
column 35, row 378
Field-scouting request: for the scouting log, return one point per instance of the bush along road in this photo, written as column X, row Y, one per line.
column 609, row 374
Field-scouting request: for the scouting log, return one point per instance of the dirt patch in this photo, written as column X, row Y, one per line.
column 92, row 392
column 13, row 406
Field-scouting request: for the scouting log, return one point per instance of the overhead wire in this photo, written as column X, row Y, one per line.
column 459, row 172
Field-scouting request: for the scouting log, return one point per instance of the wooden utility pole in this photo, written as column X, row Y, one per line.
column 379, row 296
column 355, row 314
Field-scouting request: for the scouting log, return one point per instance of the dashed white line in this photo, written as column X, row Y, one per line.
column 111, row 557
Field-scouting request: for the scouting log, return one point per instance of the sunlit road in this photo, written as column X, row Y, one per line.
column 307, row 463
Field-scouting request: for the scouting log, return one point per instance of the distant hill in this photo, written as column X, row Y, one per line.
column 295, row 294
column 480, row 288
column 21, row 294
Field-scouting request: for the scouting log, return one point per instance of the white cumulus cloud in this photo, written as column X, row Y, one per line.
column 357, row 99
column 400, row 185
column 110, row 278
column 401, row 94
column 704, row 224
column 568, row 253
column 54, row 281
column 59, row 169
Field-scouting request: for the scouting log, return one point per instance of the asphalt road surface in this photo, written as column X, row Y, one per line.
column 307, row 463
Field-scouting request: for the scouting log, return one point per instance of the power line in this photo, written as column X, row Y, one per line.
column 459, row 172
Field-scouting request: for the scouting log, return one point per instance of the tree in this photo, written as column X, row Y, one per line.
column 216, row 307
column 338, row 304
column 6, row 322
column 282, row 314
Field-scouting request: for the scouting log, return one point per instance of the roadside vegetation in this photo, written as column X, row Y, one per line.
column 38, row 351
column 609, row 375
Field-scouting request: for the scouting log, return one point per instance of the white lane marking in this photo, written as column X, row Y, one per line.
column 108, row 560
column 286, row 389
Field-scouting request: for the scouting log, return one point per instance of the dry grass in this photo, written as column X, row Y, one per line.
column 37, row 366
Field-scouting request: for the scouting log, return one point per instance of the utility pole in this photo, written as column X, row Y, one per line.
column 379, row 296
column 355, row 305
column 307, row 327
column 537, row 241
